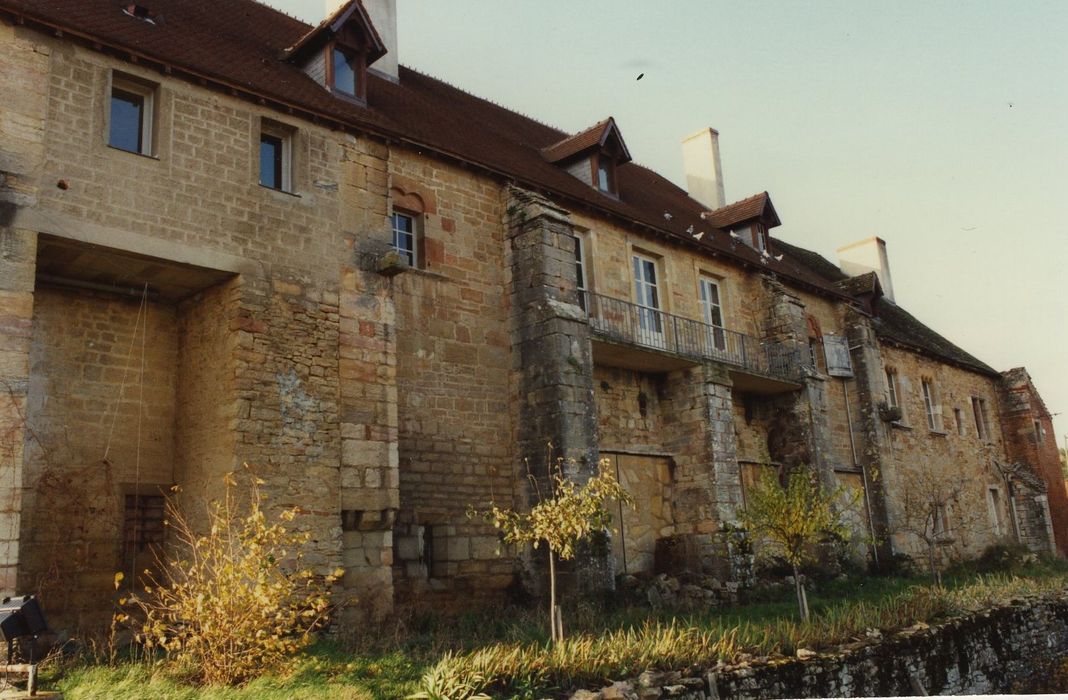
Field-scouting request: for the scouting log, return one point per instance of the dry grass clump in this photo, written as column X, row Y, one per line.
column 528, row 670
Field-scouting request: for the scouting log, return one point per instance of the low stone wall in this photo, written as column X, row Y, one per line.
column 995, row 651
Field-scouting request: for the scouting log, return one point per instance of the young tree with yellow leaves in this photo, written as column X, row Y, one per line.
column 566, row 514
column 790, row 521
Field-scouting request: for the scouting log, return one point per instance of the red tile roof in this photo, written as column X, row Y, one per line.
column 748, row 209
column 597, row 135
column 338, row 19
column 239, row 44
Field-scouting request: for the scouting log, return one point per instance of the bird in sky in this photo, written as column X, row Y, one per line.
column 640, row 76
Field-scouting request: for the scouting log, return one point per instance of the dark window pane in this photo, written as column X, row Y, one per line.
column 127, row 120
column 271, row 161
column 344, row 73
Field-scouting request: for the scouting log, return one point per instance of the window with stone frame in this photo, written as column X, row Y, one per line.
column 893, row 392
column 276, row 156
column 932, row 406
column 815, row 344
column 581, row 274
column 406, row 236
column 958, row 417
column 131, row 115
column 982, row 426
column 993, row 502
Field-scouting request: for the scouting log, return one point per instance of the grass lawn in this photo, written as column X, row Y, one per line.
column 389, row 663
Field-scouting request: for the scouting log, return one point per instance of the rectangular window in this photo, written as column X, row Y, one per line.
column 404, row 237
column 142, row 525
column 760, row 238
column 712, row 307
column 891, row 387
column 1039, row 431
column 931, row 407
column 605, row 174
column 272, row 161
column 647, row 297
column 344, row 71
column 994, row 504
column 958, row 416
column 981, row 425
column 580, row 272
column 130, row 116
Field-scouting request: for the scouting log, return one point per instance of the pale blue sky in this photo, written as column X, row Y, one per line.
column 939, row 126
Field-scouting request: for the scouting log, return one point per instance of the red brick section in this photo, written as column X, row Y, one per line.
column 1021, row 406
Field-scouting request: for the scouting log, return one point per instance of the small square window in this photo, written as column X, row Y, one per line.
column 276, row 159
column 405, row 236
column 130, row 116
column 345, row 71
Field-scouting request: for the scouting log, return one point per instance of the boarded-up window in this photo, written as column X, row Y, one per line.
column 839, row 364
column 143, row 524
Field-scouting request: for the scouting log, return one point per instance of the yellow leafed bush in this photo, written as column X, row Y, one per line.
column 236, row 601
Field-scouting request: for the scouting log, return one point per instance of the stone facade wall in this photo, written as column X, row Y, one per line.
column 454, row 370
column 24, row 64
column 631, row 409
column 921, row 459
column 102, row 410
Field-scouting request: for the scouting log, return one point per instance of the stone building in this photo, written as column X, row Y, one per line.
column 388, row 295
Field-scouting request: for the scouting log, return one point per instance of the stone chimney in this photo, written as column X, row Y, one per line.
column 868, row 255
column 704, row 172
column 383, row 14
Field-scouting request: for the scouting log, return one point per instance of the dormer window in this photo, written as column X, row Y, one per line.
column 345, row 71
column 593, row 156
column 336, row 54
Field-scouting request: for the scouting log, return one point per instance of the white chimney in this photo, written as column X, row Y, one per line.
column 704, row 172
column 864, row 256
column 383, row 14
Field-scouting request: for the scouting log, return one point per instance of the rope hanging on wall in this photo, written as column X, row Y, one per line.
column 140, row 324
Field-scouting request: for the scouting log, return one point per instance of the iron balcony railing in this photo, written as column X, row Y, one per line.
column 623, row 321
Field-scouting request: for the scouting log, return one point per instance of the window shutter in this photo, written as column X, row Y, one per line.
column 836, row 348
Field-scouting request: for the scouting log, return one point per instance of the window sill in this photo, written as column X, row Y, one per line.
column 939, row 433
column 134, row 153
column 348, row 97
column 900, row 425
column 429, row 274
column 275, row 189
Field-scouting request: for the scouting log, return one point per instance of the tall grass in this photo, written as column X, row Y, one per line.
column 524, row 670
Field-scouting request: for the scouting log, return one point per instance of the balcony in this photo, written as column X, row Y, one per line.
column 636, row 337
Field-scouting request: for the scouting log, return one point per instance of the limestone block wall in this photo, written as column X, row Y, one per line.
column 631, row 410
column 454, row 380
column 102, row 411
column 24, row 64
column 275, row 376
column 920, row 459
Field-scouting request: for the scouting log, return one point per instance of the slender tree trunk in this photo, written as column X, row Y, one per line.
column 554, row 630
column 802, row 603
column 932, row 558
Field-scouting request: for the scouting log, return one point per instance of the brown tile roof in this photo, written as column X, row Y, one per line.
column 892, row 323
column 596, row 135
column 746, row 209
column 239, row 43
column 334, row 22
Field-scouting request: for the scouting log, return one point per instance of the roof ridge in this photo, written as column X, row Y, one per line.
column 480, row 98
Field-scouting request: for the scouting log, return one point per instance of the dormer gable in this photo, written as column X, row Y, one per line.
column 336, row 53
column 592, row 155
column 748, row 220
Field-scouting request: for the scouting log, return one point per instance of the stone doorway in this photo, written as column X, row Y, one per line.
column 636, row 529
